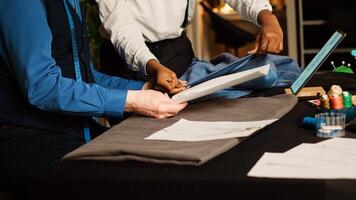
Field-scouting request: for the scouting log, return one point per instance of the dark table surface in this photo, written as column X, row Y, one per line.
column 222, row 177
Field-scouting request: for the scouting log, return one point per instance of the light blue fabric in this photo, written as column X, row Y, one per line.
column 283, row 72
column 25, row 46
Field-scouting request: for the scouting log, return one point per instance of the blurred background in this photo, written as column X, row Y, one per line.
column 217, row 28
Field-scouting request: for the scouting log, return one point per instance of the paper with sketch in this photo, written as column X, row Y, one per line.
column 220, row 83
column 322, row 152
column 347, row 144
column 185, row 130
column 279, row 165
column 330, row 159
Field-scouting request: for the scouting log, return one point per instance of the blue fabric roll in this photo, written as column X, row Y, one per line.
column 283, row 72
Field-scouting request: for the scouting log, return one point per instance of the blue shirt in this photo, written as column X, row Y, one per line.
column 25, row 46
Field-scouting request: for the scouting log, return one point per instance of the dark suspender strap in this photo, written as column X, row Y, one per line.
column 185, row 22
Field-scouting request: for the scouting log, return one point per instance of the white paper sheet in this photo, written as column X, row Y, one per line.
column 322, row 152
column 330, row 159
column 220, row 83
column 185, row 130
column 278, row 165
column 347, row 144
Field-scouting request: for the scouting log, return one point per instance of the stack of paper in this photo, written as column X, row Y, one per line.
column 185, row 130
column 330, row 159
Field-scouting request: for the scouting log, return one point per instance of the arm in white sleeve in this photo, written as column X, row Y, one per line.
column 249, row 9
column 125, row 34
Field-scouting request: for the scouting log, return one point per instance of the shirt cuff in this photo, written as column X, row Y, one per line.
column 135, row 85
column 144, row 60
column 115, row 103
column 258, row 8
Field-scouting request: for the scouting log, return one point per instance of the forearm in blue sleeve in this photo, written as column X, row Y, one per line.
column 28, row 42
column 115, row 82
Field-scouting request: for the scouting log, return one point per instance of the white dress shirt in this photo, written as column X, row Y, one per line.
column 131, row 23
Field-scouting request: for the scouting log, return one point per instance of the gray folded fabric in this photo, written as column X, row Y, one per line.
column 125, row 141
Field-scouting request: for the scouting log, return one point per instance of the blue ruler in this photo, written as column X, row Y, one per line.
column 317, row 61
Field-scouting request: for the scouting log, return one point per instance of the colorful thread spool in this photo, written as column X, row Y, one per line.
column 347, row 99
column 309, row 122
column 324, row 102
column 336, row 102
column 335, row 89
column 353, row 53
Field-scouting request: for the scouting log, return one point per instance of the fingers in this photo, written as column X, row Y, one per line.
column 166, row 107
column 174, row 80
column 281, row 45
column 171, row 84
column 165, row 82
column 184, row 83
column 168, row 80
column 177, row 107
column 270, row 41
column 179, row 87
column 254, row 50
column 169, row 109
column 262, row 48
column 152, row 103
column 271, row 46
column 176, row 90
column 275, row 44
column 278, row 47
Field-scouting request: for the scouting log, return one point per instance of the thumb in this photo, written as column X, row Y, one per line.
column 173, row 107
column 257, row 44
column 165, row 82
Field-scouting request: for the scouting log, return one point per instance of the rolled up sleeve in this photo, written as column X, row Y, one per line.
column 249, row 9
column 125, row 33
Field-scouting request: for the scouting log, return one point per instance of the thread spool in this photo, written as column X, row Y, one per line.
column 353, row 53
column 309, row 122
column 324, row 102
column 335, row 89
column 347, row 99
column 336, row 102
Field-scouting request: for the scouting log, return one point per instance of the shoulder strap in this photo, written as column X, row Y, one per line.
column 185, row 22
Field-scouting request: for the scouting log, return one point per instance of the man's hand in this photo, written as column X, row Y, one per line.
column 152, row 104
column 270, row 38
column 166, row 79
